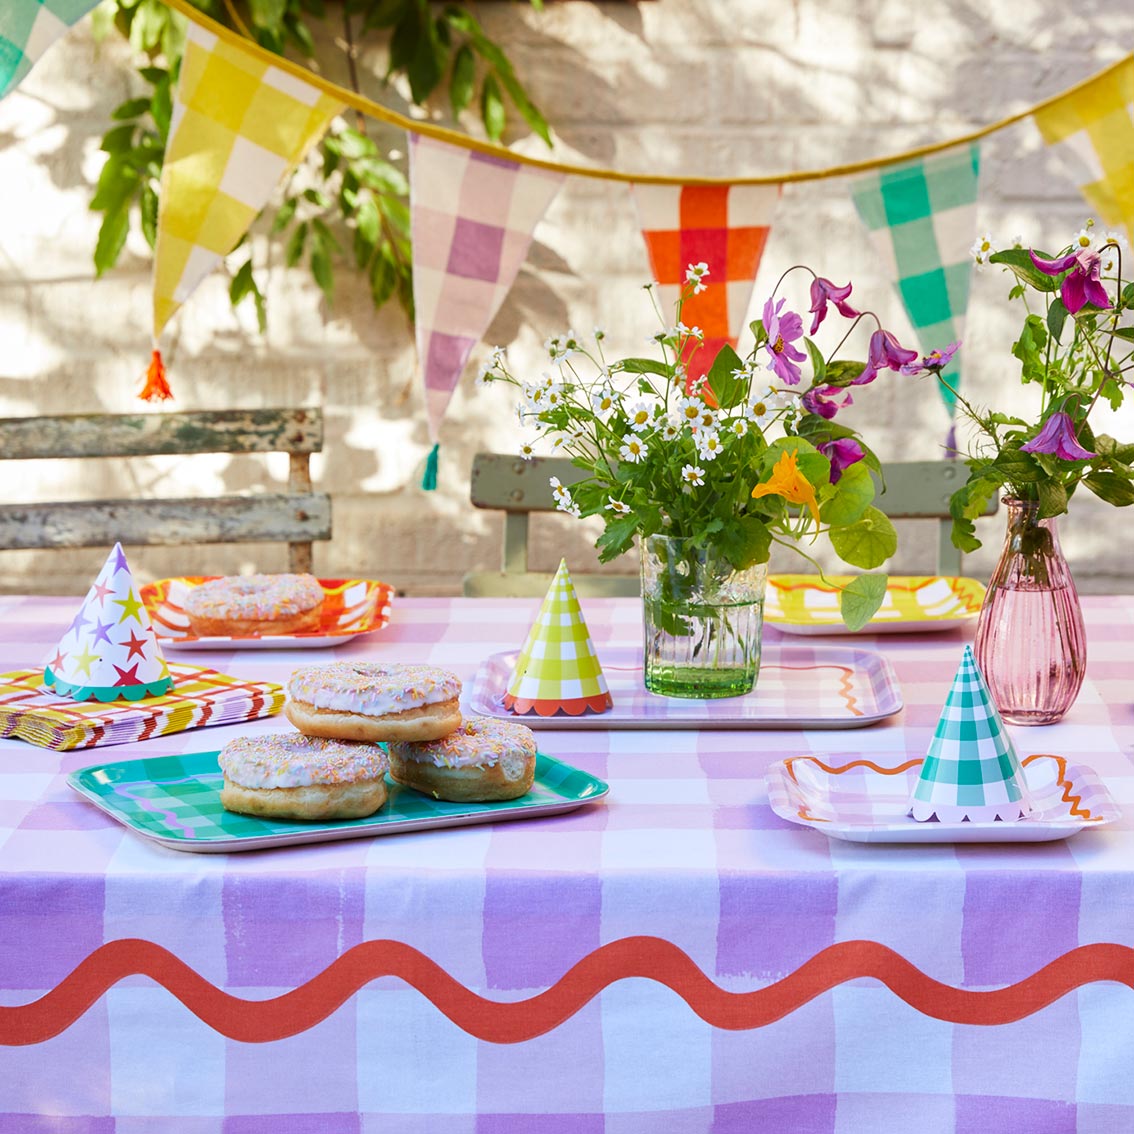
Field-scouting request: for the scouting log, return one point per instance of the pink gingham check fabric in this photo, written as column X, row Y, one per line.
column 685, row 848
column 472, row 221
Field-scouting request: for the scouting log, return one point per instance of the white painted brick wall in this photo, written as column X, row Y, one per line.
column 710, row 86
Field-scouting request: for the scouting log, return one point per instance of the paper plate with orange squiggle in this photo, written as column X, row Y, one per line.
column 807, row 604
column 864, row 801
column 350, row 607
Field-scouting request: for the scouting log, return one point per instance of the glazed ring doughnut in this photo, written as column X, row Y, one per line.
column 374, row 701
column 240, row 605
column 483, row 760
column 291, row 776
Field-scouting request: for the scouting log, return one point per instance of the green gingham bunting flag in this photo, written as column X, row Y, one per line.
column 971, row 771
column 922, row 219
column 28, row 28
column 557, row 670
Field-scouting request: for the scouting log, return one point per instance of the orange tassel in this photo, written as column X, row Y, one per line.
column 156, row 388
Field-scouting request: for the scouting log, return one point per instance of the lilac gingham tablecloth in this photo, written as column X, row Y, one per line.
column 685, row 849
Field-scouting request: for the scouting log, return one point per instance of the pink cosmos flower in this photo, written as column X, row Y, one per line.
column 783, row 330
column 824, row 292
column 1082, row 284
column 884, row 352
column 1058, row 436
column 934, row 362
column 842, row 454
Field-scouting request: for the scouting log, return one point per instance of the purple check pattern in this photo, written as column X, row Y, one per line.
column 685, row 848
column 473, row 216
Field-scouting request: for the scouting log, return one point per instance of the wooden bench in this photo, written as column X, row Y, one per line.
column 296, row 517
column 914, row 490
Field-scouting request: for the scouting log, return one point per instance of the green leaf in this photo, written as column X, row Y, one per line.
column 1111, row 487
column 1015, row 467
column 284, row 215
column 758, row 330
column 1020, row 262
column 644, row 366
column 369, row 220
column 268, row 14
column 148, row 25
column 853, row 495
column 161, row 107
column 868, row 543
column 843, row 372
column 241, row 284
column 1029, row 348
column 293, row 251
column 117, row 183
column 1052, row 498
column 1126, row 333
column 1056, row 317
column 616, row 537
column 860, row 600
column 818, row 365
column 119, row 139
column 149, row 213
column 134, row 108
column 462, row 81
column 728, row 391
column 322, row 271
column 744, row 541
column 383, row 277
column 111, row 238
column 317, row 197
column 492, row 108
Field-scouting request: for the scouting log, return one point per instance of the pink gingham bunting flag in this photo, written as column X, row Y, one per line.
column 473, row 219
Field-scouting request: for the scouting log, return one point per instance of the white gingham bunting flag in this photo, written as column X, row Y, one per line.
column 28, row 28
column 971, row 770
column 473, row 219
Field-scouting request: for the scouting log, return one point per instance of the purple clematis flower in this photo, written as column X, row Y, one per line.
column 884, row 352
column 783, row 330
column 842, row 454
column 934, row 362
column 1058, row 436
column 821, row 400
column 824, row 292
column 1082, row 284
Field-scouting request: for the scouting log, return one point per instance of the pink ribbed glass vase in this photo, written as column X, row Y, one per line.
column 1030, row 642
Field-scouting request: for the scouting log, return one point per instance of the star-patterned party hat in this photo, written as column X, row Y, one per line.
column 971, row 771
column 557, row 670
column 109, row 651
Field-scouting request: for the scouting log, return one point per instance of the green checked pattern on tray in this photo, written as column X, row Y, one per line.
column 922, row 219
column 177, row 799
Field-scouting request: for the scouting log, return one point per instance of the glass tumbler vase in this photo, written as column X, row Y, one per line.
column 1030, row 642
column 702, row 618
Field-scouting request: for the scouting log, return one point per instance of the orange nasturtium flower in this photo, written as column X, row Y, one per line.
column 787, row 481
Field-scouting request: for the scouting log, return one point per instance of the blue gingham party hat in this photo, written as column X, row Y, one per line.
column 971, row 771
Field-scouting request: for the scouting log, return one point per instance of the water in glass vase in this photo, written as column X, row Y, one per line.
column 702, row 620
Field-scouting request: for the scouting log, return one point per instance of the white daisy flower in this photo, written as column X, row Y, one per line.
column 693, row 474
column 1083, row 238
column 684, row 332
column 689, row 411
column 706, row 419
column 553, row 396
column 633, row 449
column 617, row 507
column 695, row 274
column 527, row 451
column 709, row 445
column 571, row 508
column 640, row 417
column 671, row 430
column 604, row 402
column 536, row 395
column 981, row 250
column 739, row 426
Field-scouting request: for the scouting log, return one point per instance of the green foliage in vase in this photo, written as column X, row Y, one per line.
column 350, row 204
column 1077, row 346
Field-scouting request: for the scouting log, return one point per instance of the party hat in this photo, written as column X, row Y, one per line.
column 971, row 771
column 109, row 651
column 557, row 670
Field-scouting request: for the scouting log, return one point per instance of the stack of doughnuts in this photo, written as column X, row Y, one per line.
column 242, row 606
column 334, row 767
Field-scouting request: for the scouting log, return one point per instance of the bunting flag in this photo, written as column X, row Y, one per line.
column 239, row 126
column 1092, row 130
column 28, row 28
column 922, row 218
column 723, row 226
column 472, row 221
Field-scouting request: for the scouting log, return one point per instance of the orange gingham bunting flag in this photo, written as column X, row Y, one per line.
column 723, row 226
column 473, row 219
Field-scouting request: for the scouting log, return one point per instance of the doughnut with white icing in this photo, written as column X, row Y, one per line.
column 481, row 761
column 374, row 701
column 291, row 776
column 244, row 605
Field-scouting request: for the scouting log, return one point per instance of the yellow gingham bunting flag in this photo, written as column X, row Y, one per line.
column 557, row 670
column 238, row 126
column 971, row 770
column 1092, row 130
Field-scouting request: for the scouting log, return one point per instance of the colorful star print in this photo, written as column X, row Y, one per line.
column 130, row 607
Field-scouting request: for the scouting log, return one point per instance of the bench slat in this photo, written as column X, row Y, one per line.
column 150, row 434
column 168, row 522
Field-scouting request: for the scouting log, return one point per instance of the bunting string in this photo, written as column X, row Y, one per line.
column 456, row 138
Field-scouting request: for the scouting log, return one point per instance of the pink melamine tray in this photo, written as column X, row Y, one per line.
column 798, row 687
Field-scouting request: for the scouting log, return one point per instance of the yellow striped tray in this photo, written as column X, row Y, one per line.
column 806, row 604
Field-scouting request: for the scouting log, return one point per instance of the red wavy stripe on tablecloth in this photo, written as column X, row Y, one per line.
column 259, row 1021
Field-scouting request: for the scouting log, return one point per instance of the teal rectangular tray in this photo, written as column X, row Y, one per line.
column 175, row 800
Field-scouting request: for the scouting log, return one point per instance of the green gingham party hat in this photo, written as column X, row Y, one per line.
column 971, row 771
column 557, row 670
column 109, row 652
